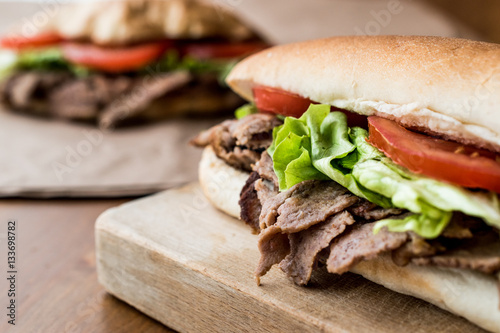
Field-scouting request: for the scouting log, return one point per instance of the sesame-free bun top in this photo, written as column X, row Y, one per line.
column 118, row 22
column 444, row 86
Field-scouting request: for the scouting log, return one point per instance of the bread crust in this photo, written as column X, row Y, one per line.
column 221, row 183
column 118, row 22
column 445, row 86
column 472, row 295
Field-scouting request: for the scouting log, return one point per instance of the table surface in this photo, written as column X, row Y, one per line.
column 57, row 288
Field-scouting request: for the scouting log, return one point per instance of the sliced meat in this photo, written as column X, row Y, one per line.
column 306, row 245
column 82, row 99
column 211, row 99
column 299, row 208
column 116, row 99
column 62, row 95
column 264, row 167
column 250, row 204
column 108, row 88
column 270, row 206
column 307, row 203
column 312, row 202
column 462, row 226
column 486, row 263
column 360, row 243
column 482, row 253
column 228, row 139
column 498, row 286
column 265, row 190
column 22, row 88
column 254, row 132
column 456, row 235
column 28, row 91
column 370, row 211
column 415, row 247
column 274, row 247
column 177, row 101
column 141, row 96
column 257, row 190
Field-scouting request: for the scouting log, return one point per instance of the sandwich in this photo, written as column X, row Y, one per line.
column 377, row 155
column 115, row 62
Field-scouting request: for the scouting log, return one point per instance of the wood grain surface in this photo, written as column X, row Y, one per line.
column 176, row 258
column 57, row 281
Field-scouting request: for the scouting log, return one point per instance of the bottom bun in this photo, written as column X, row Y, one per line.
column 221, row 183
column 472, row 295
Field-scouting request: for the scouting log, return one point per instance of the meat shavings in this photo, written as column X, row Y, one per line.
column 111, row 100
column 240, row 142
column 481, row 253
column 306, row 245
column 312, row 202
column 369, row 211
column 297, row 224
column 264, row 167
column 416, row 246
column 274, row 247
column 360, row 243
column 250, row 203
column 301, row 207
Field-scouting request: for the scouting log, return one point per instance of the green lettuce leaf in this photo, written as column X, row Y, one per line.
column 319, row 145
column 421, row 224
column 8, row 61
column 43, row 60
column 172, row 61
column 245, row 110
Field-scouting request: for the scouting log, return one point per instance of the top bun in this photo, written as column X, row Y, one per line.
column 444, row 86
column 115, row 22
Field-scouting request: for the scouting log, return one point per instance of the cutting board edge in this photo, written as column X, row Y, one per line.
column 304, row 324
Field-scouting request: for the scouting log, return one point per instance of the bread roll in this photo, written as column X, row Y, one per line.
column 116, row 22
column 444, row 86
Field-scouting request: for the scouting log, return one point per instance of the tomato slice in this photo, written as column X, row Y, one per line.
column 221, row 50
column 116, row 59
column 288, row 104
column 440, row 159
column 39, row 40
column 280, row 102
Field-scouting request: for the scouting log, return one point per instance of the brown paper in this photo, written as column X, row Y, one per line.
column 46, row 158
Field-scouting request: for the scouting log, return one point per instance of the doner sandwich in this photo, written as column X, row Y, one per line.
column 113, row 62
column 376, row 155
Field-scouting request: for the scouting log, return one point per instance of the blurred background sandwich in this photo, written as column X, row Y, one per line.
column 117, row 62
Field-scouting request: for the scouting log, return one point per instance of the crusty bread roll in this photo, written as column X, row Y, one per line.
column 471, row 295
column 130, row 21
column 444, row 86
column 221, row 183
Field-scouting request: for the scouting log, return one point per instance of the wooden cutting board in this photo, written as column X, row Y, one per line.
column 179, row 260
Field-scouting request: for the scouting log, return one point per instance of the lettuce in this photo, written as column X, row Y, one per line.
column 319, row 145
column 8, row 61
column 245, row 110
column 172, row 61
column 52, row 59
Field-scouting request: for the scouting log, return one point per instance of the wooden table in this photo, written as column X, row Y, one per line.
column 57, row 287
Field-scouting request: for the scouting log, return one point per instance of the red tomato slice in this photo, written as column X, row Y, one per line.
column 221, row 50
column 280, row 102
column 288, row 104
column 116, row 59
column 440, row 159
column 20, row 42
